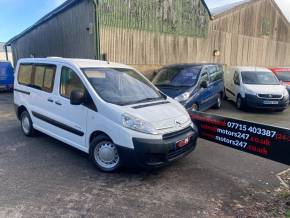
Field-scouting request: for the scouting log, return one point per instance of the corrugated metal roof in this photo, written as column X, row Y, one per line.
column 58, row 10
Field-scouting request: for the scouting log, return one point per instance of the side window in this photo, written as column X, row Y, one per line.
column 69, row 81
column 236, row 78
column 48, row 81
column 25, row 74
column 38, row 76
column 204, row 77
column 215, row 73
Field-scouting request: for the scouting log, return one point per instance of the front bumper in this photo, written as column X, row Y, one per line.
column 252, row 101
column 156, row 153
column 288, row 89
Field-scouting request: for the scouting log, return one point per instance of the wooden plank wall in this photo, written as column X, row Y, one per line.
column 236, row 35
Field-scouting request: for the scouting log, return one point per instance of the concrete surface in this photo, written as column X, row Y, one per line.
column 42, row 177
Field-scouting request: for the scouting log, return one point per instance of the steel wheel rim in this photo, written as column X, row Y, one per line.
column 219, row 102
column 25, row 124
column 106, row 155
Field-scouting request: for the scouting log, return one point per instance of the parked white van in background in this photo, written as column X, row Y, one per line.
column 107, row 110
column 255, row 88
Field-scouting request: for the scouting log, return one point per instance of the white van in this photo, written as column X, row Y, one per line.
column 107, row 110
column 255, row 88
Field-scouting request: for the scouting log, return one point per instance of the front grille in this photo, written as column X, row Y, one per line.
column 173, row 153
column 270, row 96
column 175, row 134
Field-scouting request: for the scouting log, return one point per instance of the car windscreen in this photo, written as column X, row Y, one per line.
column 121, row 86
column 259, row 78
column 284, row 76
column 177, row 76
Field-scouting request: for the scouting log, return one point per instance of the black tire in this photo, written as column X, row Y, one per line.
column 239, row 103
column 225, row 95
column 218, row 105
column 98, row 158
column 26, row 124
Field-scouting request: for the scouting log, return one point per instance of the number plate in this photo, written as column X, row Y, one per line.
column 271, row 102
column 182, row 142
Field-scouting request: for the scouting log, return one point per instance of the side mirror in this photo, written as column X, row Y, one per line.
column 204, row 84
column 77, row 97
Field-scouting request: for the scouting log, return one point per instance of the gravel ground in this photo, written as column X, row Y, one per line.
column 42, row 177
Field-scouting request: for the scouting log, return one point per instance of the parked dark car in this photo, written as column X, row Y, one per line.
column 196, row 86
column 6, row 76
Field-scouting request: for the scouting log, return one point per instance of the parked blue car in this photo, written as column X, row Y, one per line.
column 196, row 86
column 6, row 76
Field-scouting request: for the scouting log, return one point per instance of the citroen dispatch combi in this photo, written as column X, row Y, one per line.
column 107, row 110
column 255, row 87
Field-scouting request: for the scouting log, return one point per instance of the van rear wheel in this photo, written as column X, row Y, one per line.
column 26, row 124
column 104, row 154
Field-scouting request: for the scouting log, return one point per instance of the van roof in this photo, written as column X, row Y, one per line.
column 248, row 68
column 81, row 63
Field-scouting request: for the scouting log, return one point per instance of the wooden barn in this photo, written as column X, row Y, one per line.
column 152, row 33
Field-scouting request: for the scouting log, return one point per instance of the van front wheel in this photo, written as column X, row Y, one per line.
column 26, row 124
column 104, row 154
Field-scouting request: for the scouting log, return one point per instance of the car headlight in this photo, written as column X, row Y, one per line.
column 137, row 124
column 286, row 94
column 249, row 91
column 183, row 97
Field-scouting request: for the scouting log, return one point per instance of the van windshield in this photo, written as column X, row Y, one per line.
column 177, row 76
column 121, row 86
column 259, row 78
column 284, row 76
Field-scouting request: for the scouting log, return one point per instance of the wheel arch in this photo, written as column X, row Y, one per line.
column 20, row 110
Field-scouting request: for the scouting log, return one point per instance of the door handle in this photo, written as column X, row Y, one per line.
column 58, row 103
column 50, row 100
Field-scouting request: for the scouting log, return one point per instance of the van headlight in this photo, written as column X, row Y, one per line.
column 285, row 94
column 137, row 124
column 183, row 97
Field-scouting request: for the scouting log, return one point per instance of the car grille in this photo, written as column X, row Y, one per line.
column 173, row 153
column 269, row 96
column 177, row 133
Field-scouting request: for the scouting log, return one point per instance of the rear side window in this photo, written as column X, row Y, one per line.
column 25, row 74
column 40, row 77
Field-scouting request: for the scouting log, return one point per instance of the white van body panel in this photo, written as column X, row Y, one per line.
column 107, row 118
column 232, row 90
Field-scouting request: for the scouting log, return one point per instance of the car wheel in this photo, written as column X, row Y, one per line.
column 225, row 95
column 104, row 154
column 26, row 124
column 239, row 103
column 218, row 104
